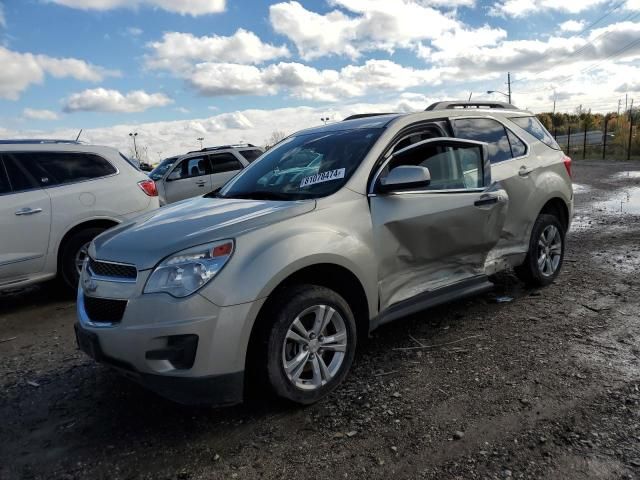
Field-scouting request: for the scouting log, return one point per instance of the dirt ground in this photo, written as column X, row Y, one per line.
column 546, row 385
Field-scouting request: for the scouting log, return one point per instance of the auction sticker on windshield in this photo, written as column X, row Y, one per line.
column 322, row 177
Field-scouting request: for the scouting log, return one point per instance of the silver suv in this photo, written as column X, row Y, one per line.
column 332, row 233
column 200, row 172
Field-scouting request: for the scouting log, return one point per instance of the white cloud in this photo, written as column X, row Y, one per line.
column 572, row 26
column 374, row 25
column 303, row 81
column 177, row 50
column 21, row 70
column 556, row 57
column 520, row 8
column 183, row 7
column 103, row 100
column 34, row 114
column 633, row 86
column 134, row 31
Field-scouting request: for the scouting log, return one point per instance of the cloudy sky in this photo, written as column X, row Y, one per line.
column 236, row 70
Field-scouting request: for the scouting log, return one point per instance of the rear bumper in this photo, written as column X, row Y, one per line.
column 217, row 390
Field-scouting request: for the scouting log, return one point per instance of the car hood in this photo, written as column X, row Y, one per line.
column 151, row 237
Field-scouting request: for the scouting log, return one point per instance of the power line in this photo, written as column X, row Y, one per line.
column 587, row 69
column 631, row 16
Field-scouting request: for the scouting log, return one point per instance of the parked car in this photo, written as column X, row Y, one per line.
column 55, row 197
column 337, row 230
column 202, row 171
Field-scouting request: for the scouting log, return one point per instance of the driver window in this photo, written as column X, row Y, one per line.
column 192, row 167
column 451, row 167
column 430, row 132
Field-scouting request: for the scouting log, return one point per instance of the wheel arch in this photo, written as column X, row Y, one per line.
column 557, row 207
column 105, row 223
column 330, row 275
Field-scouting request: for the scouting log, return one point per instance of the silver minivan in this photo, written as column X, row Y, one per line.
column 200, row 172
column 275, row 279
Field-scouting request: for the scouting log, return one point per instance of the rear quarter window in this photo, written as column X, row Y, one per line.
column 532, row 126
column 250, row 155
column 60, row 168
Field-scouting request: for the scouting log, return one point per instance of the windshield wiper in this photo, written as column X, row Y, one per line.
column 259, row 195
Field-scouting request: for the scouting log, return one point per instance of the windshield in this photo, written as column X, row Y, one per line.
column 304, row 166
column 158, row 172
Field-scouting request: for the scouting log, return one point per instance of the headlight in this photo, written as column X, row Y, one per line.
column 185, row 272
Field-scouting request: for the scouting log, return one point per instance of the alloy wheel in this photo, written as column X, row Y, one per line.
column 314, row 347
column 81, row 255
column 549, row 250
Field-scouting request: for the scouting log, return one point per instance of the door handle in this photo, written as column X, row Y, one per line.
column 200, row 184
column 486, row 200
column 524, row 171
column 28, row 211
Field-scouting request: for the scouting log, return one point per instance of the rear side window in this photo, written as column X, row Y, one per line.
column 518, row 148
column 503, row 143
column 485, row 130
column 250, row 155
column 59, row 168
column 4, row 180
column 225, row 162
column 19, row 179
column 533, row 126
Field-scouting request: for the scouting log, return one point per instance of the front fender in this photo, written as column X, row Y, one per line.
column 261, row 264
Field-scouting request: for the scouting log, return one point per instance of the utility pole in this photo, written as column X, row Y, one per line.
column 200, row 139
column 630, row 131
column 626, row 100
column 619, row 105
column 509, row 85
column 554, row 102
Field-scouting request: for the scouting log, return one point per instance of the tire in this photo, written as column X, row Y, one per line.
column 531, row 272
column 306, row 381
column 68, row 273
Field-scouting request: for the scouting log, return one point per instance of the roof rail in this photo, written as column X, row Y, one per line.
column 463, row 104
column 36, row 141
column 364, row 115
column 223, row 147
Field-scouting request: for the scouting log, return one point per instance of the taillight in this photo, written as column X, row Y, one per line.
column 567, row 164
column 149, row 187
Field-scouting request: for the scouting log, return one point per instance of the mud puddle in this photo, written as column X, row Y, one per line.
column 631, row 174
column 624, row 201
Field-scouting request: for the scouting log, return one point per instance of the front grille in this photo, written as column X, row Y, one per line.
column 108, row 269
column 104, row 310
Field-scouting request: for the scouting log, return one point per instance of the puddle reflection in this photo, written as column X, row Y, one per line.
column 624, row 201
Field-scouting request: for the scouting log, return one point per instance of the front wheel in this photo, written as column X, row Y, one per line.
column 546, row 252
column 309, row 343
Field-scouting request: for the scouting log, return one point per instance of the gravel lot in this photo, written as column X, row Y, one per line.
column 544, row 386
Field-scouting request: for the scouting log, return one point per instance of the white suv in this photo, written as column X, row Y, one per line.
column 55, row 197
column 200, row 172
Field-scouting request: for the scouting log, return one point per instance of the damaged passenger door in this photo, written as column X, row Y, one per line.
column 436, row 216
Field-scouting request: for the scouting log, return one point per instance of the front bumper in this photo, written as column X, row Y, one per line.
column 215, row 372
column 217, row 390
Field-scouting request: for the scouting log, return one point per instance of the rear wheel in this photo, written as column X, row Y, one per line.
column 309, row 344
column 546, row 252
column 73, row 253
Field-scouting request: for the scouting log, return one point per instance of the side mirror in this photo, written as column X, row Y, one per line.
column 405, row 177
column 175, row 175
